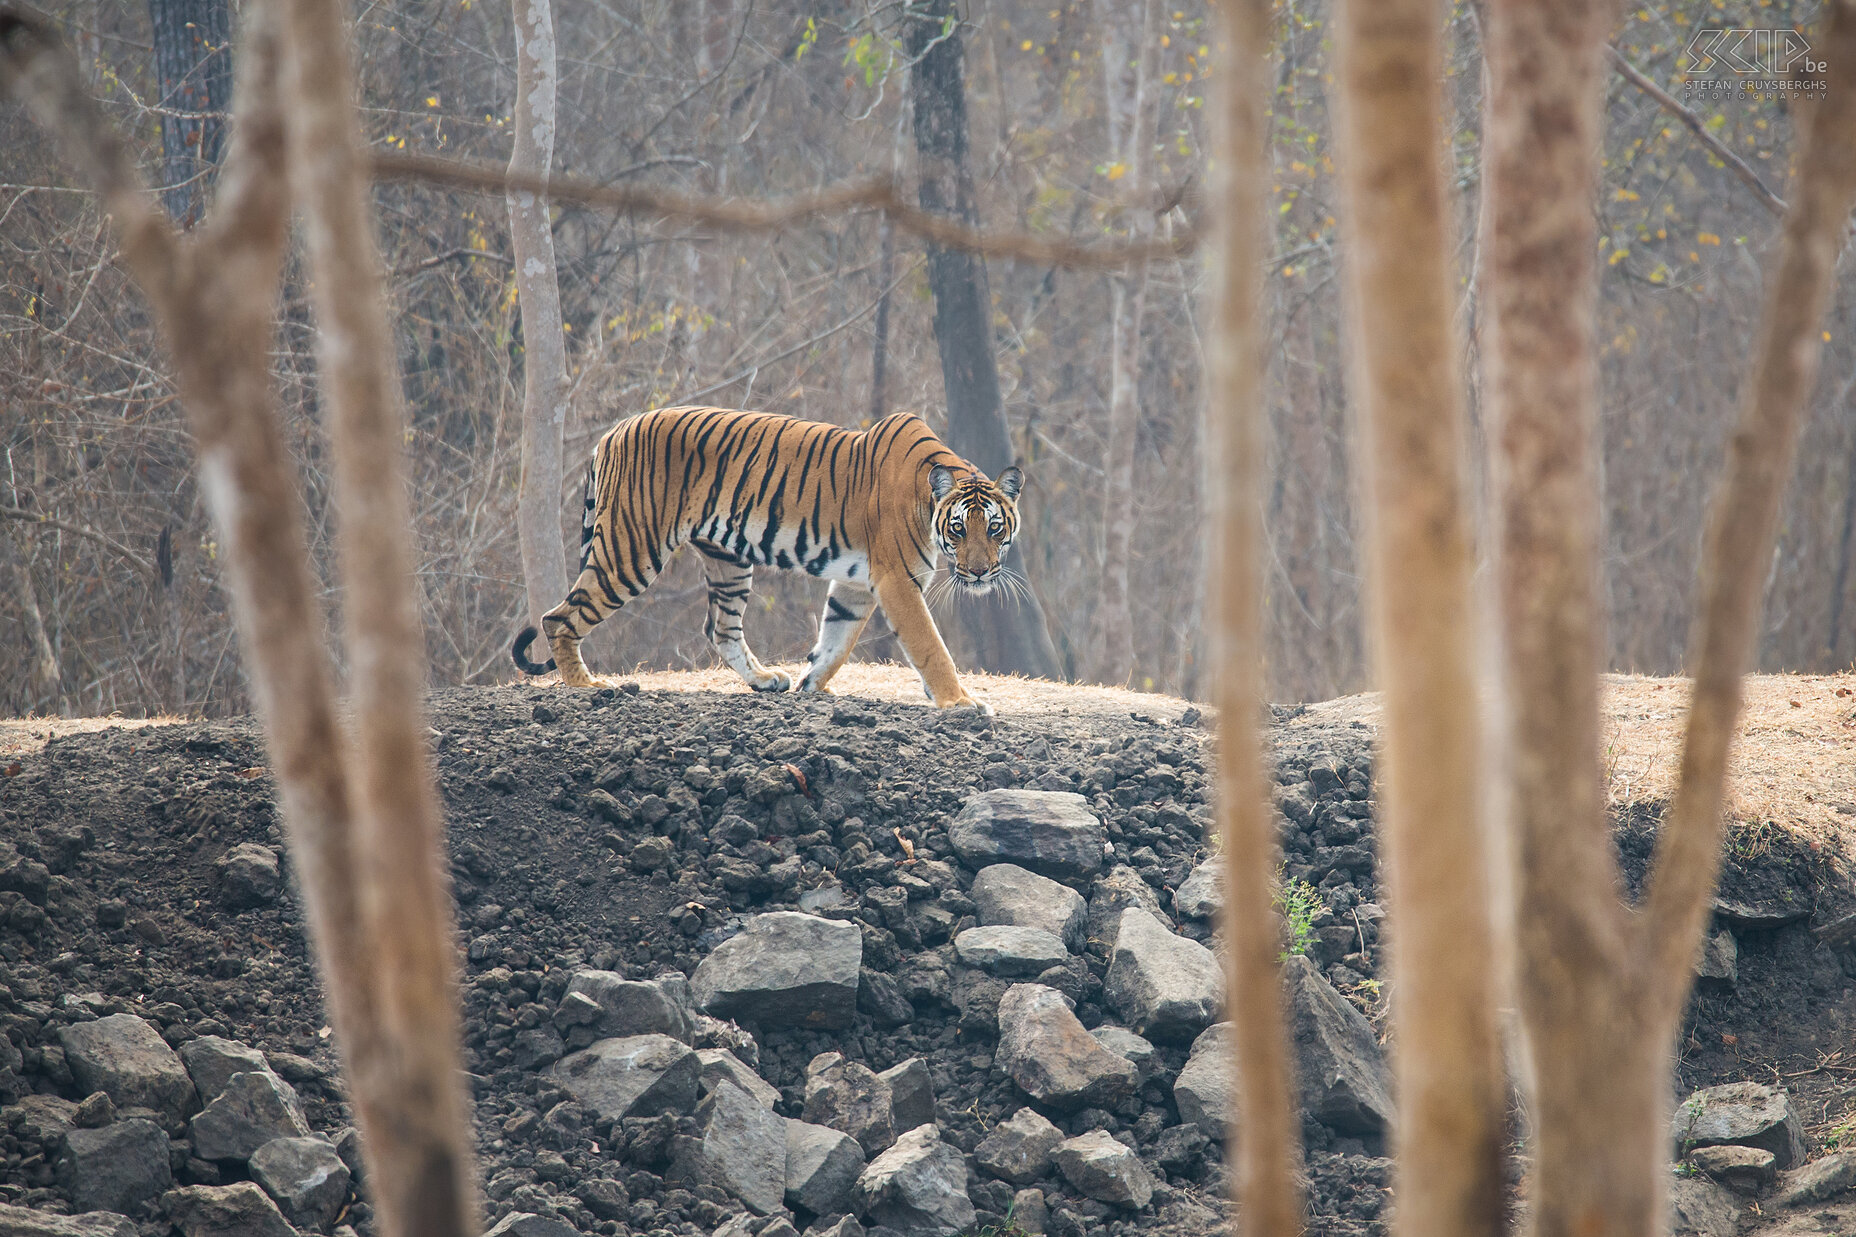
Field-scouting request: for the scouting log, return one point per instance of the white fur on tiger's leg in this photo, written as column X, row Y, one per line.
column 729, row 585
column 847, row 608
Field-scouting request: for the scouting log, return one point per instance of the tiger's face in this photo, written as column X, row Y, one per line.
column 974, row 523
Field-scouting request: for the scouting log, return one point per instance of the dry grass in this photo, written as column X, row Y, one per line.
column 23, row 735
column 1794, row 762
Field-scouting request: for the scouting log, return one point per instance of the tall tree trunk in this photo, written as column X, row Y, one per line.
column 879, row 347
column 1127, row 59
column 1408, row 386
column 1002, row 638
column 544, row 345
column 193, row 62
column 1265, row 1136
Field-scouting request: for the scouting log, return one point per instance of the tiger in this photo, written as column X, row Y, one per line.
column 868, row 510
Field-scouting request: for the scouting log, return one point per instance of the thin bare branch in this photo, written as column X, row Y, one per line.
column 748, row 215
column 1696, row 125
column 89, row 534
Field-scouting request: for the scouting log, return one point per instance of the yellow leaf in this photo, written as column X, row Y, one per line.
column 1707, row 238
column 1626, row 195
column 431, row 100
column 1617, row 257
column 1117, row 170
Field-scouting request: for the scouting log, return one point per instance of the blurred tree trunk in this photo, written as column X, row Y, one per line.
column 193, row 62
column 1264, row 1142
column 1407, row 384
column 1001, row 637
column 1128, row 48
column 544, row 345
column 1601, row 988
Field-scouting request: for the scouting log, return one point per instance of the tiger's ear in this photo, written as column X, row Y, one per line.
column 941, row 481
column 1010, row 482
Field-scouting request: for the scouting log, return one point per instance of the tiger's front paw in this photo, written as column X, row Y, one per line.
column 964, row 701
column 775, row 681
column 810, row 684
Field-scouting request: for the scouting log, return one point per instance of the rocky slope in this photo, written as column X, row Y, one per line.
column 759, row 965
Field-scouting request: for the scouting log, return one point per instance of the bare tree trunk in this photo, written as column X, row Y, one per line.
column 879, row 348
column 544, row 345
column 1408, row 386
column 193, row 61
column 1004, row 638
column 1127, row 59
column 361, row 809
column 1265, row 1139
column 43, row 677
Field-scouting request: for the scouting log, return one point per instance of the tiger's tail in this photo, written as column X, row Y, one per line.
column 519, row 654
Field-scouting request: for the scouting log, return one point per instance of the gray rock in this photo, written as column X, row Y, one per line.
column 25, row 1222
column 1345, row 1082
column 1167, row 987
column 1762, row 916
column 1116, row 890
column 1201, row 895
column 624, row 1007
column 530, row 1224
column 911, row 1093
column 1011, row 952
column 843, row 1226
column 849, row 1097
column 1744, row 1170
column 822, row 1165
column 1125, row 1043
column 1105, row 1170
column 1007, row 894
column 1719, row 963
column 126, row 1058
column 716, row 1064
column 1052, row 833
column 784, row 969
column 255, row 1107
column 744, row 1147
column 1051, row 1057
column 249, row 875
column 1030, row 1212
column 211, row 1060
column 631, row 1076
column 918, row 1187
column 305, row 1177
column 1205, row 1091
column 1700, row 1208
column 1018, row 1148
column 537, row 1048
column 1747, row 1114
column 116, row 1168
column 1817, row 1181
column 241, row 1210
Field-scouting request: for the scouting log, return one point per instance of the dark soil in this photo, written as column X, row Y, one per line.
column 579, row 827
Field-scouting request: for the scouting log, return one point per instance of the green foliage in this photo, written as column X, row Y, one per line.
column 1299, row 902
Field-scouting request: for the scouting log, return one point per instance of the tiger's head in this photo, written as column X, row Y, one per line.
column 974, row 523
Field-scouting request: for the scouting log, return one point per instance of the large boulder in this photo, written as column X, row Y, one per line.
column 744, row 1147
column 25, row 1222
column 255, row 1107
column 1009, row 951
column 848, row 1096
column 211, row 1060
column 1699, row 1208
column 1205, row 1091
column 1167, row 987
column 1345, row 1082
column 620, row 1007
column 918, row 1187
column 1018, row 1148
column 822, row 1165
column 718, row 1065
column 1007, row 894
column 1119, row 889
column 631, row 1076
column 1201, row 894
column 241, row 1210
column 1745, row 1114
column 1817, row 1181
column 911, row 1093
column 1105, row 1170
column 784, row 969
column 1049, row 832
column 531, row 1224
column 305, row 1177
column 1125, row 1043
column 249, row 875
column 116, row 1168
column 1051, row 1057
column 125, row 1057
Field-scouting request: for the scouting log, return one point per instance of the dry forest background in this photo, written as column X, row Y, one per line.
column 120, row 582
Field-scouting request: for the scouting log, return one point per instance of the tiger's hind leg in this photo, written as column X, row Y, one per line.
column 730, row 582
column 847, row 609
column 598, row 593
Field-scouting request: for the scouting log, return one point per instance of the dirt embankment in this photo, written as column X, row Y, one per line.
column 595, row 831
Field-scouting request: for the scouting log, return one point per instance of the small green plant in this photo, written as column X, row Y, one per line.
column 1842, row 1134
column 1298, row 902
